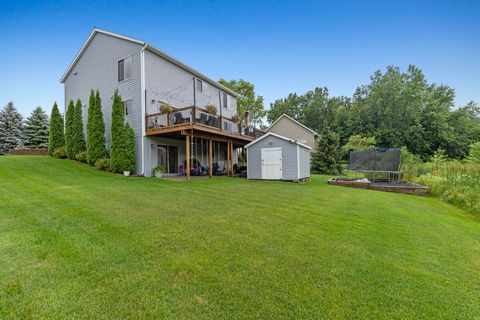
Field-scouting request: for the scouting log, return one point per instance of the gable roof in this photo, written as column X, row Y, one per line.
column 278, row 136
column 152, row 49
column 295, row 121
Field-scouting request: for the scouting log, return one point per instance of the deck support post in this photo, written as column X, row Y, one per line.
column 210, row 161
column 187, row 156
column 231, row 158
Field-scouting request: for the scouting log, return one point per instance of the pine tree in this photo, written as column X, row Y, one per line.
column 78, row 137
column 117, row 146
column 129, row 148
column 326, row 158
column 95, row 130
column 35, row 129
column 56, row 137
column 69, row 143
column 11, row 135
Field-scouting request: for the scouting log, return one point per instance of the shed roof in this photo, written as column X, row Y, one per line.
column 149, row 47
column 278, row 136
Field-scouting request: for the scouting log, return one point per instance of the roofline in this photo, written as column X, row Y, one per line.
column 150, row 48
column 286, row 115
column 278, row 136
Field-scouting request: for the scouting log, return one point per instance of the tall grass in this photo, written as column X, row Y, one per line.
column 452, row 180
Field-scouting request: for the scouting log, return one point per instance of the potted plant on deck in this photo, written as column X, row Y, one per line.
column 211, row 109
column 236, row 120
column 158, row 171
column 167, row 110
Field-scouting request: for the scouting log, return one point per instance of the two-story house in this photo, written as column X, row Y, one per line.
column 181, row 136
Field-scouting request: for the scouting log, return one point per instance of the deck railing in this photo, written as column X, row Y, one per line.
column 198, row 116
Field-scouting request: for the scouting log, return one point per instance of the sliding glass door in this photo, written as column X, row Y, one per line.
column 168, row 158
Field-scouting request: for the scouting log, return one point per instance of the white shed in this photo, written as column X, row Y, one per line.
column 275, row 157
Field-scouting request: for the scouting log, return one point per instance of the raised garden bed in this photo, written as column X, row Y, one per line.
column 381, row 185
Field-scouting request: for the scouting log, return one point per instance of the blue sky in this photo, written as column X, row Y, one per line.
column 280, row 46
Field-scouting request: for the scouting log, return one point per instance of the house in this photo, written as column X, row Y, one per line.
column 187, row 140
column 288, row 127
column 275, row 157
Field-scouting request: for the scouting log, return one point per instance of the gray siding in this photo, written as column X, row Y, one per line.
column 97, row 69
column 289, row 158
column 290, row 129
column 170, row 84
column 304, row 162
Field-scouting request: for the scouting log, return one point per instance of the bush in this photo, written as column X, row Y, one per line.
column 103, row 164
column 81, row 156
column 60, row 153
column 212, row 109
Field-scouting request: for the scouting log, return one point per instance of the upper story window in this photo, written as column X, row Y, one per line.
column 124, row 69
column 224, row 100
column 199, row 85
column 128, row 106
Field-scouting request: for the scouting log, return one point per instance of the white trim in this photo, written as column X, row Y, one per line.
column 298, row 161
column 278, row 136
column 286, row 115
column 143, row 103
column 150, row 48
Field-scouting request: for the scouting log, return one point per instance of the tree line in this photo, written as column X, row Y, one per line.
column 65, row 138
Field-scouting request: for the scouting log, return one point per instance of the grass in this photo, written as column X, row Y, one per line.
column 80, row 243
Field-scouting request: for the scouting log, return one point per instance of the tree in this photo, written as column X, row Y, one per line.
column 326, row 158
column 11, row 135
column 129, row 148
column 35, row 129
column 56, row 138
column 247, row 101
column 95, row 130
column 69, row 143
column 117, row 145
column 474, row 155
column 357, row 142
column 78, row 138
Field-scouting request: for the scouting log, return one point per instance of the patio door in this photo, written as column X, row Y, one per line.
column 271, row 163
column 168, row 158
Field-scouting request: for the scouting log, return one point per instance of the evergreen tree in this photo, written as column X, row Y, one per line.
column 129, row 148
column 11, row 135
column 69, row 143
column 35, row 129
column 326, row 158
column 56, row 137
column 78, row 138
column 117, row 146
column 95, row 130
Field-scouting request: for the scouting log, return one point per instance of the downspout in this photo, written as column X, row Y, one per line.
column 143, row 95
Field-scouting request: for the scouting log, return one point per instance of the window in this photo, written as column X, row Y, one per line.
column 199, row 85
column 224, row 100
column 128, row 107
column 124, row 69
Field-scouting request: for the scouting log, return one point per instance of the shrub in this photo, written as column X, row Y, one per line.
column 103, row 164
column 81, row 156
column 60, row 153
column 117, row 146
column 95, row 129
column 159, row 169
column 56, row 138
column 165, row 109
column 129, row 136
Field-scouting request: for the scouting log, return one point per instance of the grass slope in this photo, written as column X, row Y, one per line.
column 80, row 243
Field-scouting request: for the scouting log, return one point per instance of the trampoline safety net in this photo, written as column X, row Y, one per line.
column 376, row 160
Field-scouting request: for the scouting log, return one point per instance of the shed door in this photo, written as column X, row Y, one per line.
column 272, row 163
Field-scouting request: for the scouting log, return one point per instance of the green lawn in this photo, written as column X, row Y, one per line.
column 79, row 243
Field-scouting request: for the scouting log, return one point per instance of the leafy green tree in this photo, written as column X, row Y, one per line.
column 11, row 135
column 247, row 101
column 326, row 157
column 69, row 142
column 56, row 137
column 95, row 130
column 291, row 106
column 118, row 143
column 474, row 155
column 129, row 148
column 78, row 137
column 35, row 129
column 357, row 142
